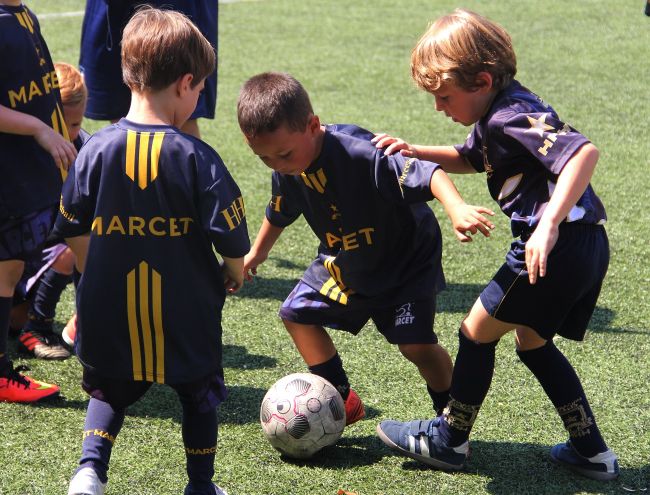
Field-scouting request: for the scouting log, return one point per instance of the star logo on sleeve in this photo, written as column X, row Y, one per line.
column 538, row 126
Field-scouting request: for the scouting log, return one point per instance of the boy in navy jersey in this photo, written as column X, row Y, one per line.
column 143, row 207
column 380, row 244
column 45, row 278
column 538, row 169
column 34, row 153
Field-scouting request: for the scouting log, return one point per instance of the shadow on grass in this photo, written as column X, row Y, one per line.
column 528, row 468
column 347, row 453
column 236, row 356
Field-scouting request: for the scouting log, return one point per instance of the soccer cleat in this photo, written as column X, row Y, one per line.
column 421, row 441
column 43, row 345
column 16, row 387
column 191, row 491
column 354, row 410
column 69, row 332
column 602, row 467
column 86, row 482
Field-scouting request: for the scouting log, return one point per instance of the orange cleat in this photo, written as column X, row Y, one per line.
column 354, row 410
column 16, row 387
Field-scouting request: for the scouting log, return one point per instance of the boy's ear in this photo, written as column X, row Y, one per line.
column 184, row 83
column 484, row 81
column 314, row 123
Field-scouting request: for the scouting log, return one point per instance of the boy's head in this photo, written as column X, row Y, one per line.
column 74, row 96
column 278, row 121
column 161, row 46
column 457, row 48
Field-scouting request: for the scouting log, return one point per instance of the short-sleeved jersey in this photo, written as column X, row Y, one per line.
column 100, row 57
column 522, row 145
column 28, row 84
column 380, row 242
column 156, row 203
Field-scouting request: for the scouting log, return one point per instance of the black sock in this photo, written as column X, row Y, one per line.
column 470, row 383
column 103, row 423
column 43, row 307
column 200, row 442
column 332, row 370
column 5, row 312
column 440, row 400
column 562, row 385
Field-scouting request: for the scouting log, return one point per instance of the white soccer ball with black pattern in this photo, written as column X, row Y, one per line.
column 302, row 413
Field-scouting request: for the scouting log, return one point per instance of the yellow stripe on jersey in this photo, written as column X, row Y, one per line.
column 58, row 124
column 334, row 288
column 131, row 137
column 21, row 20
column 155, row 153
column 143, row 300
column 30, row 23
column 306, row 180
column 315, row 181
column 320, row 175
column 143, row 154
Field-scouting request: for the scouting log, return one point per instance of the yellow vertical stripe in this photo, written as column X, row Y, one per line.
column 306, row 180
column 143, row 275
column 155, row 153
column 30, row 23
column 134, row 334
column 142, row 159
column 314, row 180
column 59, row 127
column 19, row 16
column 156, row 293
column 131, row 137
column 321, row 177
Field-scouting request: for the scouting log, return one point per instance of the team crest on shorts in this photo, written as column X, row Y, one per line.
column 403, row 315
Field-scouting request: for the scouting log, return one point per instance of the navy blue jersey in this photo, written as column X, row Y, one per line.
column 155, row 201
column 28, row 84
column 100, row 58
column 522, row 145
column 379, row 241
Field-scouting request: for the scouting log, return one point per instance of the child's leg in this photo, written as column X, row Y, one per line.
column 435, row 366
column 562, row 386
column 10, row 273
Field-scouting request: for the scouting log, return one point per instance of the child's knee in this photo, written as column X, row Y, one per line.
column 64, row 263
column 419, row 354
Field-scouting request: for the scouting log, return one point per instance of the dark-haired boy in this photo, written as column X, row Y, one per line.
column 155, row 202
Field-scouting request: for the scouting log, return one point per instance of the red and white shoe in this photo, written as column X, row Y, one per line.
column 354, row 410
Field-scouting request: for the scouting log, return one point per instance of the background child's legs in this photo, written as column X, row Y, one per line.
column 10, row 273
column 312, row 342
column 435, row 366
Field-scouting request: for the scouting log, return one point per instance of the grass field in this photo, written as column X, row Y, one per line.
column 589, row 59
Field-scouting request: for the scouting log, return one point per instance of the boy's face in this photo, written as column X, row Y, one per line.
column 189, row 96
column 462, row 105
column 73, row 115
column 288, row 152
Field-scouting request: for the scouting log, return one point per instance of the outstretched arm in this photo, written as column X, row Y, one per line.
column 571, row 185
column 258, row 254
column 447, row 156
column 466, row 219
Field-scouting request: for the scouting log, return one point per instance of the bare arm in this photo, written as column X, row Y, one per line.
column 265, row 240
column 466, row 219
column 571, row 185
column 14, row 122
column 233, row 273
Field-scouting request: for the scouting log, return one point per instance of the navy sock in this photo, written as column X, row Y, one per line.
column 5, row 312
column 200, row 441
column 103, row 423
column 440, row 400
column 48, row 293
column 562, row 385
column 332, row 370
column 470, row 383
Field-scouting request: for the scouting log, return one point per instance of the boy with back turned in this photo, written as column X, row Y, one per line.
column 142, row 209
column 379, row 253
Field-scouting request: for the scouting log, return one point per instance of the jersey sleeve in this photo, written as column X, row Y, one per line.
column 401, row 179
column 471, row 150
column 223, row 215
column 282, row 209
column 542, row 135
column 77, row 205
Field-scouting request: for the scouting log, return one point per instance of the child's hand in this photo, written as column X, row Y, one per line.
column 538, row 247
column 251, row 262
column 62, row 150
column 393, row 144
column 232, row 281
column 467, row 220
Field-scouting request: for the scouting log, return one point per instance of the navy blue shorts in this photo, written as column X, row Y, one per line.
column 100, row 58
column 563, row 301
column 201, row 395
column 405, row 323
column 23, row 238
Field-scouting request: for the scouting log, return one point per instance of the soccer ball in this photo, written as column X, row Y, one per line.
column 302, row 413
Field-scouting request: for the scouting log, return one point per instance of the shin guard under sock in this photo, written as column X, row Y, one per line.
column 200, row 442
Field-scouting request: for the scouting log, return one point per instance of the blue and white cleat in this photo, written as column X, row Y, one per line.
column 602, row 467
column 421, row 441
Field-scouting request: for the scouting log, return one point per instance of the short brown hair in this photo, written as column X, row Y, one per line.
column 160, row 46
column 71, row 84
column 271, row 99
column 458, row 46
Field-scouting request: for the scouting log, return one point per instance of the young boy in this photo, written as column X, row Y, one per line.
column 380, row 244
column 46, row 277
column 538, row 169
column 32, row 146
column 142, row 209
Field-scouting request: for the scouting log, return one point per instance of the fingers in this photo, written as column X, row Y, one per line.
column 464, row 236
